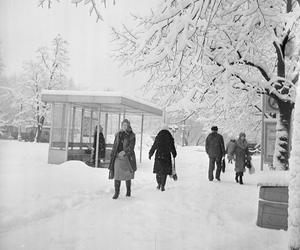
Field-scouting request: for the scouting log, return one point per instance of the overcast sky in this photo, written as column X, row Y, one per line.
column 24, row 28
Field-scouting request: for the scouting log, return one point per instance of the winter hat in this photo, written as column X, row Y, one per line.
column 214, row 128
column 242, row 134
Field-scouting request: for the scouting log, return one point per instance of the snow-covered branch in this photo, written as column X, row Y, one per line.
column 95, row 5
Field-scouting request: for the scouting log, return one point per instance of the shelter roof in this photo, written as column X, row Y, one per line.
column 111, row 102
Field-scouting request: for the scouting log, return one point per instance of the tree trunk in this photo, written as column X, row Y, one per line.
column 39, row 129
column 282, row 143
column 294, row 184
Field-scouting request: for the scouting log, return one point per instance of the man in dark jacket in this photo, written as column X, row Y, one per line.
column 214, row 146
column 164, row 147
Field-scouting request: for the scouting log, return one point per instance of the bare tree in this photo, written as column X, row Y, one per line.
column 47, row 72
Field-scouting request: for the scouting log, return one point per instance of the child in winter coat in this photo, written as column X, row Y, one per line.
column 230, row 150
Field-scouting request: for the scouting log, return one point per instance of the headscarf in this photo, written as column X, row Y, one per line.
column 129, row 129
column 242, row 143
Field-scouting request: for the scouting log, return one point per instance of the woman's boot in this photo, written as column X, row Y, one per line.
column 236, row 177
column 163, row 182
column 158, row 180
column 128, row 188
column 117, row 189
column 241, row 179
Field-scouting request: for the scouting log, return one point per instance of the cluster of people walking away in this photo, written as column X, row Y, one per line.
column 237, row 150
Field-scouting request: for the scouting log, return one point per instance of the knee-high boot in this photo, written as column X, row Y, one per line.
column 128, row 188
column 158, row 180
column 237, row 177
column 163, row 182
column 241, row 178
column 117, row 189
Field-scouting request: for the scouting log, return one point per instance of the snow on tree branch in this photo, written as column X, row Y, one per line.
column 95, row 5
column 185, row 40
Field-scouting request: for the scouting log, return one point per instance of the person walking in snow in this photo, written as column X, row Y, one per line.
column 214, row 146
column 241, row 154
column 230, row 150
column 163, row 146
column 102, row 145
column 123, row 161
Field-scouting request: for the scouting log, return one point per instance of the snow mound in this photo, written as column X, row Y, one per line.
column 73, row 164
column 274, row 178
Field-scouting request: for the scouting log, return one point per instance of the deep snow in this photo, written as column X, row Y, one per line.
column 69, row 206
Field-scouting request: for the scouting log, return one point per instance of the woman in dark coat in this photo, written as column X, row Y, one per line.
column 164, row 147
column 241, row 153
column 102, row 145
column 122, row 164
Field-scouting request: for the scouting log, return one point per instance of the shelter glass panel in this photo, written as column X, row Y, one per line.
column 59, row 126
column 75, row 127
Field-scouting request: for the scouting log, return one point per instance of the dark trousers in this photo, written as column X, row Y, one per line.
column 161, row 179
column 212, row 161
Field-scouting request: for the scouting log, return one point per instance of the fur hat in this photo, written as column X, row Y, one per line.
column 214, row 128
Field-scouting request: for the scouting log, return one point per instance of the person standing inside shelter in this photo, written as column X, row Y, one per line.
column 123, row 161
column 164, row 147
column 214, row 146
column 102, row 145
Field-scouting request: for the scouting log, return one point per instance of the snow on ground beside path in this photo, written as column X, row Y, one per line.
column 274, row 178
column 69, row 206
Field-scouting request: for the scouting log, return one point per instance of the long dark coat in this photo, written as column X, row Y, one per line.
column 128, row 147
column 214, row 145
column 101, row 149
column 241, row 152
column 164, row 146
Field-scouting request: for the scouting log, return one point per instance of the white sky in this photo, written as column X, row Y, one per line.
column 24, row 28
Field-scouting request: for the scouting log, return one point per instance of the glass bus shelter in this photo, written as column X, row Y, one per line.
column 75, row 114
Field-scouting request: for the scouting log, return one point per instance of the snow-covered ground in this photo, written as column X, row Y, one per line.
column 69, row 206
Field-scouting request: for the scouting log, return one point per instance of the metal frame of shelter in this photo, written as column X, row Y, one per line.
column 76, row 113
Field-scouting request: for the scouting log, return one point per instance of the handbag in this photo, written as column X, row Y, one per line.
column 223, row 165
column 248, row 163
column 174, row 174
column 251, row 169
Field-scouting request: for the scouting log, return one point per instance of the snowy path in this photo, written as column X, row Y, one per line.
column 70, row 207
